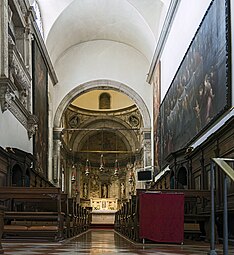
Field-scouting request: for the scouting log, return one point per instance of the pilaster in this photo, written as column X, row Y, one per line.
column 146, row 144
column 57, row 156
column 4, row 38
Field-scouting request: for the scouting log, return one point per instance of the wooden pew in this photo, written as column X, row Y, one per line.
column 73, row 216
column 31, row 224
column 34, row 212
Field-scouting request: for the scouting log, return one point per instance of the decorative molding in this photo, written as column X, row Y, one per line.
column 32, row 125
column 134, row 120
column 18, row 71
column 130, row 115
column 24, row 5
column 9, row 101
column 21, row 10
column 6, row 97
column 163, row 36
column 57, row 133
column 147, row 144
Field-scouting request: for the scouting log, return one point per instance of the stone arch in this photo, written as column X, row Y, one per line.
column 102, row 84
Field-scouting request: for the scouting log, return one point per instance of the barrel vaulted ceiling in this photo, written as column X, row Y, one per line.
column 92, row 40
column 132, row 22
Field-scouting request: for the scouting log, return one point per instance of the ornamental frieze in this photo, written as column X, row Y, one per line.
column 18, row 71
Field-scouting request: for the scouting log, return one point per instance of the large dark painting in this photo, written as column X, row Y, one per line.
column 40, row 108
column 200, row 91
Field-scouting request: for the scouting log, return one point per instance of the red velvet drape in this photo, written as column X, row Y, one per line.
column 161, row 217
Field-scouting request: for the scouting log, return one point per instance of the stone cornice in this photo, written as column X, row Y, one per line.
column 105, row 112
column 19, row 8
column 18, row 69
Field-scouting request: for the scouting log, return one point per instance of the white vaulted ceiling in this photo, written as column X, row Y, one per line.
column 70, row 22
column 93, row 40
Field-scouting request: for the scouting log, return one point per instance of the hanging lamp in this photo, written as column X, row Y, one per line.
column 73, row 177
column 116, row 172
column 87, row 165
column 101, row 168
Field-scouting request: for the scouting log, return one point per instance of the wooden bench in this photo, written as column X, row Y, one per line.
column 33, row 225
column 34, row 212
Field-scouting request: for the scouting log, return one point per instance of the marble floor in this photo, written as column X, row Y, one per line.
column 105, row 242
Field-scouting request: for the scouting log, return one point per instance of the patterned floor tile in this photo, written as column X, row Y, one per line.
column 105, row 242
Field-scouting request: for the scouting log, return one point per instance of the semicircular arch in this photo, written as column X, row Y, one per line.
column 102, row 84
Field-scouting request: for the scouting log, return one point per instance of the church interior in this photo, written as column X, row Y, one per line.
column 117, row 127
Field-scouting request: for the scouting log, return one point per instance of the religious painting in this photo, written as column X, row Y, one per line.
column 200, row 91
column 40, row 109
column 156, row 105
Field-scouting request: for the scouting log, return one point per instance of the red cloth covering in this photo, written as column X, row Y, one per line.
column 161, row 217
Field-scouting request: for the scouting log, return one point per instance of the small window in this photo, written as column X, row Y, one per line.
column 104, row 101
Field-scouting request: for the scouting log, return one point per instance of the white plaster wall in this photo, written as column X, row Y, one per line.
column 13, row 134
column 185, row 25
column 102, row 59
